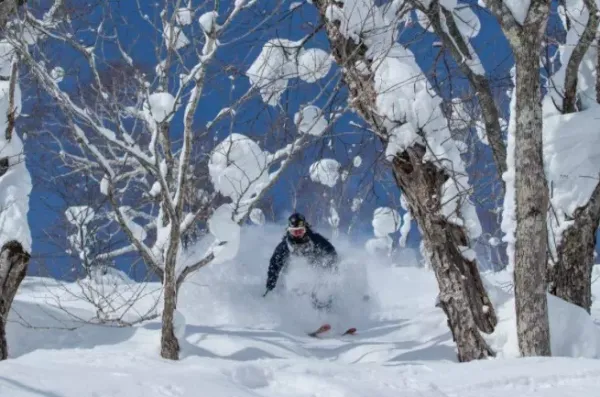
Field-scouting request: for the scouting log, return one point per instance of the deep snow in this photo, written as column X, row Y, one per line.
column 236, row 343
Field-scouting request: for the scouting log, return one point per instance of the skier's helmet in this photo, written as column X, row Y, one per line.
column 297, row 225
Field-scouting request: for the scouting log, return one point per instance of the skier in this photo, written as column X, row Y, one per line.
column 301, row 241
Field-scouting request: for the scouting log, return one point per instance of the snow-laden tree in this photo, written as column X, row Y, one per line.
column 572, row 153
column 144, row 143
column 15, row 181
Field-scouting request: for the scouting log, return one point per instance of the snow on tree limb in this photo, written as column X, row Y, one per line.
column 444, row 23
column 282, row 60
column 572, row 87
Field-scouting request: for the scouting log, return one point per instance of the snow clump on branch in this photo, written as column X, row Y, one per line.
column 282, row 60
column 325, row 171
column 160, row 106
column 238, row 168
column 310, row 120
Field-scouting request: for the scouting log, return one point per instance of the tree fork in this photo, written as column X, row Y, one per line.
column 570, row 277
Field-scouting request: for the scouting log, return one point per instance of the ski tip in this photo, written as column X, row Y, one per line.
column 323, row 328
column 350, row 331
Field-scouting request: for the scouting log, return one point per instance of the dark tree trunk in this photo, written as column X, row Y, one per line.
column 570, row 277
column 13, row 266
column 462, row 296
column 169, row 345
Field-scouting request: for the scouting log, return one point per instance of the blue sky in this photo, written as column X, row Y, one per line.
column 490, row 45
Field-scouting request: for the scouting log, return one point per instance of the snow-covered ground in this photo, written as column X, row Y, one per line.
column 236, row 343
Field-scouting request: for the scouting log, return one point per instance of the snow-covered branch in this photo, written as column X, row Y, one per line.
column 455, row 27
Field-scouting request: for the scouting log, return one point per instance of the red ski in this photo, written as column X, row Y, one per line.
column 323, row 328
column 326, row 327
column 350, row 331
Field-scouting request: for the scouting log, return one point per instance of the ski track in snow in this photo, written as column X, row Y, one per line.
column 238, row 344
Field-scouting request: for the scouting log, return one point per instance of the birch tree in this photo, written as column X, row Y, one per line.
column 142, row 149
column 527, row 198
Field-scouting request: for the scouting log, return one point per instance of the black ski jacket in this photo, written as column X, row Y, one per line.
column 316, row 249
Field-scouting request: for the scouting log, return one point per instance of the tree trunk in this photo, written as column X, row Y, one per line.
column 462, row 296
column 169, row 345
column 13, row 266
column 531, row 191
column 570, row 276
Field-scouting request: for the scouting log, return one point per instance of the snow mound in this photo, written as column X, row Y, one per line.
column 251, row 376
column 573, row 332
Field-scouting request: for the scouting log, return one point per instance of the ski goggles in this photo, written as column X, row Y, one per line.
column 297, row 231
